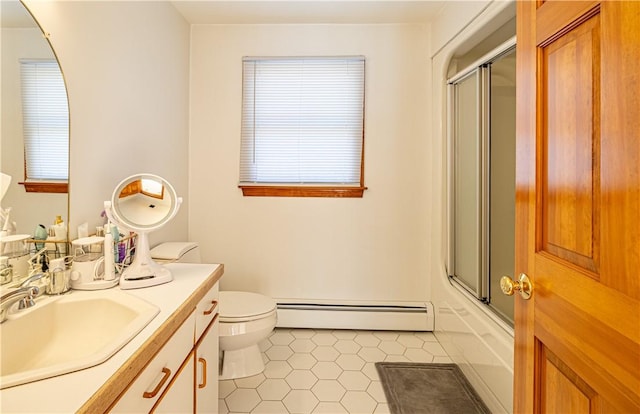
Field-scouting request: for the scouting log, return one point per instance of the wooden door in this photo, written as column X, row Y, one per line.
column 578, row 207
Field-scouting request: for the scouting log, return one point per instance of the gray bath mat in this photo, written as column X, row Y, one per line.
column 428, row 389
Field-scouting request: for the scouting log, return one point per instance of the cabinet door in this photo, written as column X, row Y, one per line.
column 206, row 359
column 178, row 398
column 147, row 388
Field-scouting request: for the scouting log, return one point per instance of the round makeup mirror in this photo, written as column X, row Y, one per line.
column 143, row 203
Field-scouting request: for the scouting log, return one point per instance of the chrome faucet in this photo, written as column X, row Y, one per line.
column 22, row 293
column 28, row 301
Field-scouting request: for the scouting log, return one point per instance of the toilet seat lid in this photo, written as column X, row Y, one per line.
column 235, row 304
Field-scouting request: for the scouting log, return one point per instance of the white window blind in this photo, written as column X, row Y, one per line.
column 302, row 121
column 45, row 114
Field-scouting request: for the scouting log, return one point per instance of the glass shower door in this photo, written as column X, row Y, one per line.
column 482, row 179
column 467, row 264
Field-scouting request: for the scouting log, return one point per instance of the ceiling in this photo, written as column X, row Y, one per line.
column 277, row 12
column 307, row 11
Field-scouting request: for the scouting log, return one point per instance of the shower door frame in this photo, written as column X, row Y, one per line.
column 480, row 66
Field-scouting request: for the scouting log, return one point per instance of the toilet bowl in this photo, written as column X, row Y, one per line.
column 246, row 318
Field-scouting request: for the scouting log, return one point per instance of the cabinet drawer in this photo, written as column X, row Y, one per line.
column 154, row 379
column 206, row 310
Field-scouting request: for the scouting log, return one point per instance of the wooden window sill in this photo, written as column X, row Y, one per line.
column 294, row 191
column 45, row 187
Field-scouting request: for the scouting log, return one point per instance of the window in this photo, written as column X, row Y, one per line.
column 148, row 187
column 302, row 127
column 152, row 188
column 45, row 126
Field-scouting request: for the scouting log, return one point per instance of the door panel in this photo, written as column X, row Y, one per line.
column 578, row 207
column 570, row 136
column 578, row 397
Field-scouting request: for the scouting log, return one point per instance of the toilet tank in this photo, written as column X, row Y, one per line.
column 180, row 252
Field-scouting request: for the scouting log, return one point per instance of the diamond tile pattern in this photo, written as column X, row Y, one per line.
column 325, row 371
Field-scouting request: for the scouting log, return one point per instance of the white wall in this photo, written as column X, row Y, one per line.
column 453, row 17
column 477, row 341
column 126, row 66
column 27, row 209
column 374, row 248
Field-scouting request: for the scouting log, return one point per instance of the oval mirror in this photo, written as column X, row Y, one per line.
column 143, row 203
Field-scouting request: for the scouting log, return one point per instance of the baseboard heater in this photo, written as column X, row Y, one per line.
column 388, row 316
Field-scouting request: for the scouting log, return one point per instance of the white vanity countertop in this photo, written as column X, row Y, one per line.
column 70, row 392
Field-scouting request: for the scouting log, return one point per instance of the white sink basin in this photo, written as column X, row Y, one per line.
column 68, row 333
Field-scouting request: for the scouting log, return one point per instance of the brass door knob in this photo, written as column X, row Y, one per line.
column 522, row 285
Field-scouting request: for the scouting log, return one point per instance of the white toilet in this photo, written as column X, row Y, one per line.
column 246, row 318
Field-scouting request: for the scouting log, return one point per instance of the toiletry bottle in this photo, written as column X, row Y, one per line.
column 60, row 230
column 40, row 233
column 109, row 267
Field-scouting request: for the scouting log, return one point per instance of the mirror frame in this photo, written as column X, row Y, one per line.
column 168, row 191
column 143, row 271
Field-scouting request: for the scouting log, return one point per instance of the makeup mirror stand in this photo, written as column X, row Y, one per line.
column 142, row 211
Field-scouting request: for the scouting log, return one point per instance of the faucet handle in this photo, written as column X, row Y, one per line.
column 28, row 301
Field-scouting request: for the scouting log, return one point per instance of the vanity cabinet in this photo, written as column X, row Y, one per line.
column 174, row 339
column 183, row 376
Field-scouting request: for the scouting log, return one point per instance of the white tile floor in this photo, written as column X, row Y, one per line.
column 325, row 371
